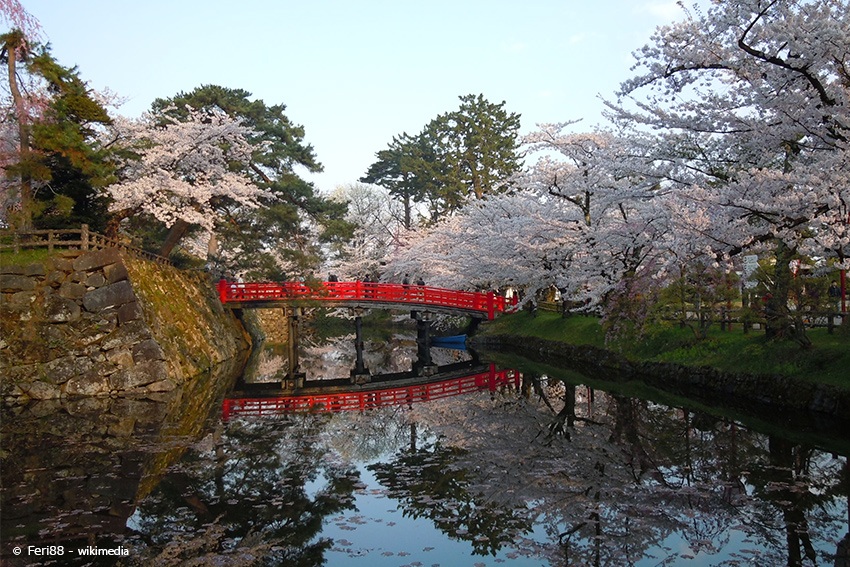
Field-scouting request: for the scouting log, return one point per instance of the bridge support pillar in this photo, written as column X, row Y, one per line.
column 424, row 366
column 359, row 374
column 294, row 378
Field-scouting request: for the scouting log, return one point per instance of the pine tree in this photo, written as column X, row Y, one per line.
column 461, row 155
column 59, row 163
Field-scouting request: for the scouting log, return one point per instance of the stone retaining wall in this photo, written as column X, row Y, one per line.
column 79, row 324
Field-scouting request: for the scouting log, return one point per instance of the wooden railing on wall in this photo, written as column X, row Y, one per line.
column 71, row 239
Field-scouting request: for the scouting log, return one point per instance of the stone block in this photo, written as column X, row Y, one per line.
column 122, row 357
column 59, row 309
column 61, row 370
column 107, row 320
column 161, row 386
column 115, row 272
column 36, row 269
column 96, row 259
column 56, row 334
column 14, row 282
column 111, row 295
column 159, row 397
column 95, row 280
column 129, row 312
column 139, row 375
column 21, row 299
column 55, row 278
column 13, row 269
column 88, row 384
column 64, row 264
column 126, row 335
column 71, row 290
column 42, row 391
column 148, row 350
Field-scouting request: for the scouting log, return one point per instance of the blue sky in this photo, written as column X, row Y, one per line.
column 356, row 73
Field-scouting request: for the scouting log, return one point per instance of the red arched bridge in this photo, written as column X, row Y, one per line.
column 364, row 294
column 359, row 398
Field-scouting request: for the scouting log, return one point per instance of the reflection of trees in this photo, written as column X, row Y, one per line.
column 708, row 465
column 379, row 431
column 795, row 484
column 246, row 492
column 841, row 490
column 430, row 485
column 565, row 418
column 640, row 480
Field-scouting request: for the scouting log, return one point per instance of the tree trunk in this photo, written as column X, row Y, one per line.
column 407, row 212
column 177, row 231
column 212, row 246
column 777, row 317
column 12, row 45
column 779, row 322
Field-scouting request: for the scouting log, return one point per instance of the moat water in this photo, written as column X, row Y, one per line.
column 552, row 469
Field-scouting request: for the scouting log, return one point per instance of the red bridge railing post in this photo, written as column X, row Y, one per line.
column 222, row 290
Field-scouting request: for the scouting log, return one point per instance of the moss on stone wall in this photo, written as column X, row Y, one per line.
column 185, row 316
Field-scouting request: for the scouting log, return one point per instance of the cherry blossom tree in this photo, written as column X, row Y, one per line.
column 380, row 229
column 505, row 240
column 611, row 188
column 583, row 220
column 732, row 137
column 183, row 172
column 750, row 102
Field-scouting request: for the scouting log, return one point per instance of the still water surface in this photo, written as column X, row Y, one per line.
column 543, row 471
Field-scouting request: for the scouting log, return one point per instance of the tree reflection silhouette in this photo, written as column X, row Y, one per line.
column 788, row 481
column 251, row 491
column 429, row 484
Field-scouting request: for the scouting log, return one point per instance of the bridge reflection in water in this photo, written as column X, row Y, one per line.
column 384, row 390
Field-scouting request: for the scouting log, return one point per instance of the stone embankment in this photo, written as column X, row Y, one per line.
column 105, row 323
column 774, row 393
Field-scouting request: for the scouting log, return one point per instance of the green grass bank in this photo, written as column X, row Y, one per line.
column 732, row 351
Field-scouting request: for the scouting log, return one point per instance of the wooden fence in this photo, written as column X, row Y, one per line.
column 726, row 318
column 70, row 239
column 750, row 318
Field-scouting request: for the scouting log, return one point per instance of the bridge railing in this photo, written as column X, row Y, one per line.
column 364, row 292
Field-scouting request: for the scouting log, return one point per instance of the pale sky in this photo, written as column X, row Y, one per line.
column 355, row 73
